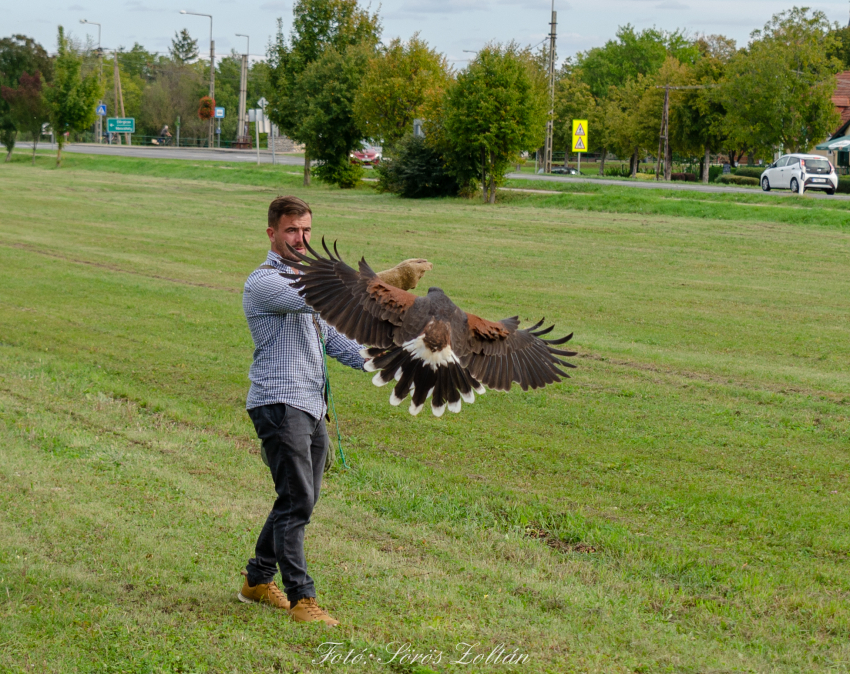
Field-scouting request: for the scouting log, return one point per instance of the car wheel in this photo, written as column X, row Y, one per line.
column 795, row 186
column 765, row 184
column 830, row 192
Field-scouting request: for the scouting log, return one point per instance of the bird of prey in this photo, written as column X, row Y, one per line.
column 428, row 345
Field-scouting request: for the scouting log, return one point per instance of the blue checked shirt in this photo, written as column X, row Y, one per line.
column 288, row 364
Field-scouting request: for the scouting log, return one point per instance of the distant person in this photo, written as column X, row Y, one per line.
column 164, row 135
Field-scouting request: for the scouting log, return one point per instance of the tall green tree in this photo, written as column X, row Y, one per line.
column 788, row 65
column 398, row 82
column 626, row 135
column 574, row 100
column 318, row 25
column 326, row 90
column 495, row 109
column 649, row 112
column 632, row 54
column 840, row 49
column 699, row 114
column 18, row 54
column 27, row 107
column 72, row 97
column 183, row 49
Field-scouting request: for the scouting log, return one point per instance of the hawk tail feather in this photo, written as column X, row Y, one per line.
column 447, row 385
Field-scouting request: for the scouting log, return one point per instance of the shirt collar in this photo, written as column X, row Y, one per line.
column 277, row 261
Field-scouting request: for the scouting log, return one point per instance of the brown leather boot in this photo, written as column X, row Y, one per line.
column 307, row 610
column 263, row 593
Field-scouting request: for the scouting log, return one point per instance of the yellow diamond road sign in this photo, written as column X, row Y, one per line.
column 580, row 135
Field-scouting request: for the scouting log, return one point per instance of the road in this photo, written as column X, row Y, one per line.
column 681, row 186
column 248, row 156
column 195, row 154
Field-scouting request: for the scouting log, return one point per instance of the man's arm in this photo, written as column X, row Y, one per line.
column 345, row 350
column 273, row 293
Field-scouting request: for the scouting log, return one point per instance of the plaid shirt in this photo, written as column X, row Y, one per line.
column 288, row 366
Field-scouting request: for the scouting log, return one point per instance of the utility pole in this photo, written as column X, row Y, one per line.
column 550, row 123
column 115, row 82
column 664, row 136
column 212, row 71
column 242, row 124
column 99, row 124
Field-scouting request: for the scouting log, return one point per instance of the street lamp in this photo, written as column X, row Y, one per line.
column 212, row 65
column 99, row 125
column 243, row 93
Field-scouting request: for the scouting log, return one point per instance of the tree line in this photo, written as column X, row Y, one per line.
column 332, row 84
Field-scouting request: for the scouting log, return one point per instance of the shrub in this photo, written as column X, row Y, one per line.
column 415, row 171
column 843, row 184
column 342, row 173
column 749, row 171
column 687, row 177
column 732, row 179
column 714, row 172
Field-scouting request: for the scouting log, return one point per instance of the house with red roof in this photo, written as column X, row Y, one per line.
column 841, row 100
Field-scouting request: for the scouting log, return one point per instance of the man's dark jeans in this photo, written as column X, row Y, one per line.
column 296, row 445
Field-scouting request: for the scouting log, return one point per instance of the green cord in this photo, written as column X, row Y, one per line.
column 331, row 398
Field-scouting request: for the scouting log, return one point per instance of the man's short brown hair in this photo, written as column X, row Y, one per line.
column 287, row 206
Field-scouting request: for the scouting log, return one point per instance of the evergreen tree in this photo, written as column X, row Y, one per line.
column 183, row 48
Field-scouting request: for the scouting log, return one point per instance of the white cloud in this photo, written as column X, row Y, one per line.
column 671, row 4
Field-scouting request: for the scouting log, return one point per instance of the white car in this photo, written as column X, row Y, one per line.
column 791, row 171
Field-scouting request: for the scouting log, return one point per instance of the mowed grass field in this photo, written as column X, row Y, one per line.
column 680, row 505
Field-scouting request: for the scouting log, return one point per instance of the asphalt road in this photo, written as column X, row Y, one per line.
column 681, row 186
column 195, row 154
column 248, row 156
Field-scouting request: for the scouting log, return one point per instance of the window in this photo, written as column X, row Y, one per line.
column 782, row 162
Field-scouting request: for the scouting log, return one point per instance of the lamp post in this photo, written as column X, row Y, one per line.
column 212, row 66
column 99, row 124
column 242, row 133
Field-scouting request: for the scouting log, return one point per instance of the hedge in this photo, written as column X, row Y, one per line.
column 737, row 180
column 749, row 171
column 687, row 177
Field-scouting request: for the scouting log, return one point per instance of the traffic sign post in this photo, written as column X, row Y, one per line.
column 580, row 137
column 101, row 110
column 219, row 113
column 121, row 125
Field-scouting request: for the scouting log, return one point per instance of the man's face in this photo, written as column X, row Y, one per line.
column 291, row 229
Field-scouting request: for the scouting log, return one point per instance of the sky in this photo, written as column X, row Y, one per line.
column 454, row 27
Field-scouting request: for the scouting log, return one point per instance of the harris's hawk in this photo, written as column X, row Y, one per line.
column 428, row 345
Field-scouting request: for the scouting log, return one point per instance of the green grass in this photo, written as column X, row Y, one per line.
column 680, row 505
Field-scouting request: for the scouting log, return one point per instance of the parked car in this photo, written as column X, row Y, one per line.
column 369, row 156
column 791, row 171
column 565, row 170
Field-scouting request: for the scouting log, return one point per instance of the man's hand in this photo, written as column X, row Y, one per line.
column 406, row 275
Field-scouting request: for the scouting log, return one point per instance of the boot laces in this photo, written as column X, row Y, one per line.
column 275, row 593
column 312, row 607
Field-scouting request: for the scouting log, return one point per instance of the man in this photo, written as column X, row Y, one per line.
column 287, row 405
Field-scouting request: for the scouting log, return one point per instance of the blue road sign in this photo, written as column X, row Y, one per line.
column 219, row 113
column 101, row 110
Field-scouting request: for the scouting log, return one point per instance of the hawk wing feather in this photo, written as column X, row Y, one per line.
column 499, row 354
column 357, row 303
